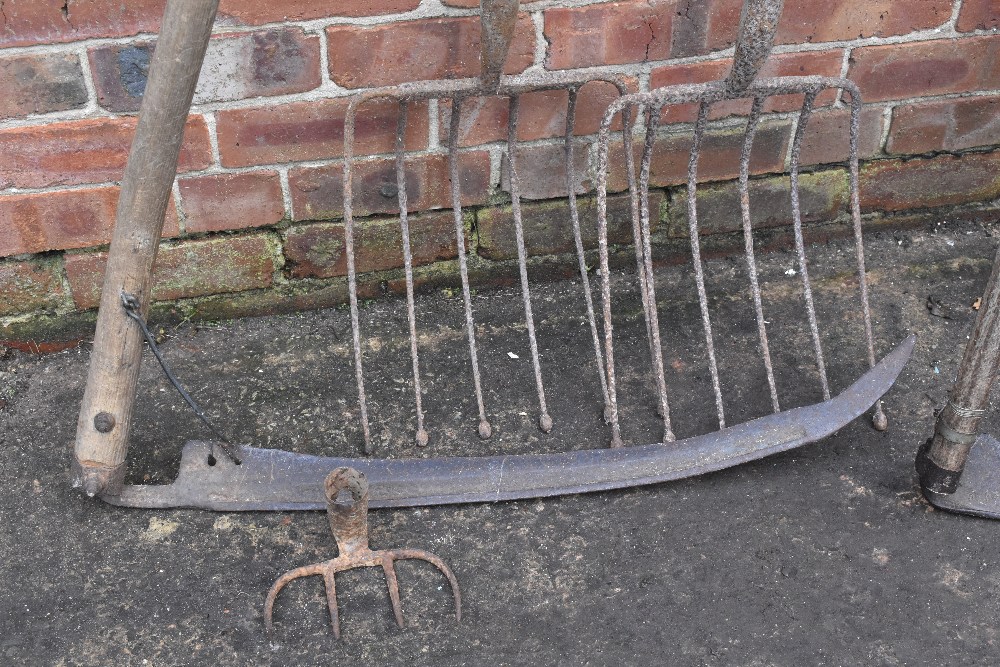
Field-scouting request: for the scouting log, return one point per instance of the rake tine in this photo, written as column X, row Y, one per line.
column 544, row 420
column 800, row 249
column 352, row 281
column 879, row 419
column 574, row 215
column 699, row 274
column 748, row 137
column 420, row 554
column 404, row 225
column 485, row 429
column 329, row 580
column 281, row 582
column 389, row 567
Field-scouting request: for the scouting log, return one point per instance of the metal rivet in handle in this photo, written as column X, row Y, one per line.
column 104, row 422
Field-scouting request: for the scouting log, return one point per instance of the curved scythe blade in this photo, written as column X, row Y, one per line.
column 271, row 479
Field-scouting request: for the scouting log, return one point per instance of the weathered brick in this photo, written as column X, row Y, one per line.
column 720, row 156
column 61, row 220
column 318, row 192
column 41, row 84
column 946, row 125
column 183, row 270
column 445, row 48
column 822, row 196
column 541, row 171
column 258, row 12
column 542, row 114
column 897, row 71
column 50, row 21
column 828, row 136
column 824, row 63
column 84, row 151
column 237, row 66
column 979, row 15
column 897, row 185
column 313, row 131
column 472, row 4
column 317, row 250
column 634, row 31
column 29, row 286
column 548, row 229
column 231, row 201
column 704, row 26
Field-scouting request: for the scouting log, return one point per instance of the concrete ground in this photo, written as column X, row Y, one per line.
column 826, row 555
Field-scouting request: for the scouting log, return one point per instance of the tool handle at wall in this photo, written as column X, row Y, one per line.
column 758, row 25
column 106, row 411
column 498, row 19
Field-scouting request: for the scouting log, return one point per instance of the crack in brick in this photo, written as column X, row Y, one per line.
column 64, row 10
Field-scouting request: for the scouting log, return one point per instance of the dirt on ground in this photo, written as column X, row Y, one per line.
column 826, row 555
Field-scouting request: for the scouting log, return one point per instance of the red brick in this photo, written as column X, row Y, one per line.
column 542, row 114
column 473, row 4
column 704, row 26
column 258, row 12
column 720, row 156
column 231, row 201
column 898, row 71
column 237, row 66
column 50, row 21
column 946, row 125
column 828, row 136
column 897, row 185
column 822, row 196
column 41, row 84
column 445, row 48
column 542, row 171
column 313, row 131
column 60, row 220
column 979, row 15
column 29, row 286
column 548, row 229
column 318, row 192
column 824, row 63
column 184, row 270
column 84, row 151
column 609, row 34
column 317, row 250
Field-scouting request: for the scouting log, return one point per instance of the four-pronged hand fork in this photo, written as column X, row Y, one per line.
column 349, row 525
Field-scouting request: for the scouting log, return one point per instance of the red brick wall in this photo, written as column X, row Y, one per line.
column 256, row 206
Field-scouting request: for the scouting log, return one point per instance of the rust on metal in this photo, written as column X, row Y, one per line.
column 349, row 525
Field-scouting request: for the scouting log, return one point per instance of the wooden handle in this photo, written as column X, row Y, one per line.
column 106, row 412
column 758, row 25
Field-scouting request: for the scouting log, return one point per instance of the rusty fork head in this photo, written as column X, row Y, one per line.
column 349, row 525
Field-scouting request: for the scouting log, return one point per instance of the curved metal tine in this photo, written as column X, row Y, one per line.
column 752, row 122
column 574, row 215
column 330, row 583
column 544, row 420
column 649, row 285
column 879, row 420
column 485, row 429
column 800, row 249
column 404, row 225
column 699, row 273
column 389, row 567
column 352, row 281
column 420, row 554
column 602, row 246
column 280, row 583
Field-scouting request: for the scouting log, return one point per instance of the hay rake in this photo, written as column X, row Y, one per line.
column 264, row 479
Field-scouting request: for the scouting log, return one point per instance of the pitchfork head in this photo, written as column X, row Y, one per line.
column 349, row 524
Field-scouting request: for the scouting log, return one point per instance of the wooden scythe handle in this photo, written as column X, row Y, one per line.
column 105, row 415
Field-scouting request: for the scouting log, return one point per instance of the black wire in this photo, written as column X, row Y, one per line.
column 132, row 307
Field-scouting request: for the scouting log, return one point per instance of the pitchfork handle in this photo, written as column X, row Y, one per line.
column 758, row 25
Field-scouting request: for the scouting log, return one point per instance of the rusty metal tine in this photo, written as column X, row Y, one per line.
column 497, row 20
column 574, row 215
column 485, row 429
column 751, row 130
column 404, row 225
column 330, row 583
column 649, row 285
column 879, row 420
column 420, row 554
column 389, row 567
column 699, row 273
column 280, row 583
column 800, row 248
column 544, row 420
column 640, row 260
column 352, row 281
